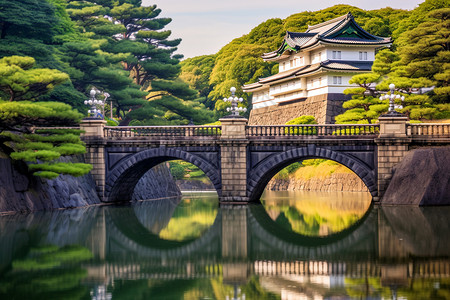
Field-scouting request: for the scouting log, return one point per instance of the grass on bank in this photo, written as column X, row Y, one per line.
column 312, row 168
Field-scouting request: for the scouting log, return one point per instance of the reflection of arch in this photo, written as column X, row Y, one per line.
column 267, row 168
column 120, row 182
column 266, row 239
column 125, row 229
column 271, row 241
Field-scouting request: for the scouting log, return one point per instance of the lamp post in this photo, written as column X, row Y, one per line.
column 391, row 97
column 94, row 103
column 234, row 109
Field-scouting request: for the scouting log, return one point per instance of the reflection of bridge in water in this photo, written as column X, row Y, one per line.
column 244, row 241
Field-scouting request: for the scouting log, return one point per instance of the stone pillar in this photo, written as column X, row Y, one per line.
column 95, row 150
column 393, row 144
column 233, row 152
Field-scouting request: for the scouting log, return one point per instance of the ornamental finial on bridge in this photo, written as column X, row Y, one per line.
column 95, row 111
column 234, row 103
column 391, row 97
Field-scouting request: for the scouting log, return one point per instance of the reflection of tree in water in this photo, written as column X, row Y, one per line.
column 162, row 289
column 283, row 221
column 47, row 272
column 202, row 288
column 176, row 219
column 155, row 214
column 192, row 217
column 418, row 288
column 316, row 217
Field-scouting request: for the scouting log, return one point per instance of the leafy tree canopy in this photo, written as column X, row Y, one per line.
column 20, row 81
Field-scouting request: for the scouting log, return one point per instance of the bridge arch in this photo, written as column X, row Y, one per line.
column 260, row 176
column 121, row 181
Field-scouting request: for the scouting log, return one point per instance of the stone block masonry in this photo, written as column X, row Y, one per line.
column 241, row 163
column 393, row 144
column 233, row 153
column 323, row 107
column 95, row 153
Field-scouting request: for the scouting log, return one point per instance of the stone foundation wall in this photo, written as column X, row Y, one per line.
column 336, row 182
column 323, row 107
column 20, row 191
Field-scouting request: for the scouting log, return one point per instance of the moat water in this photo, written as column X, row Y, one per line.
column 296, row 245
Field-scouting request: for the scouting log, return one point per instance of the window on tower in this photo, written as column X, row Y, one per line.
column 336, row 55
column 337, row 79
column 362, row 55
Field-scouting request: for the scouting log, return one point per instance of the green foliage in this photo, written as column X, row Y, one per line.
column 190, row 220
column 424, row 51
column 362, row 110
column 196, row 72
column 53, row 170
column 177, row 170
column 25, row 113
column 34, row 155
column 384, row 60
column 187, row 171
column 302, row 120
column 51, row 256
column 43, row 148
column 27, row 19
column 293, row 167
column 46, row 273
column 19, row 81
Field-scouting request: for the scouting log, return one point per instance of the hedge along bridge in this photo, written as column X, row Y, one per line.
column 240, row 159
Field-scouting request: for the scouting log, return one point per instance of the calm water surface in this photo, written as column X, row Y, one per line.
column 303, row 245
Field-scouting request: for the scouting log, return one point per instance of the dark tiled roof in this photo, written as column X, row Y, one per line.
column 252, row 86
column 358, row 41
column 347, row 65
column 341, row 30
column 327, row 25
column 283, row 75
column 338, row 65
column 297, row 39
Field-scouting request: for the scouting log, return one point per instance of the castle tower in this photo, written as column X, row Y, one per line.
column 314, row 69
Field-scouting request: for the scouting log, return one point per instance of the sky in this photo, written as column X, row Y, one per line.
column 205, row 26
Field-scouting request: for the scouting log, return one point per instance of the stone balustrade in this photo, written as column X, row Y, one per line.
column 233, row 141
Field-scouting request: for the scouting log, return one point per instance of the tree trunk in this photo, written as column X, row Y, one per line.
column 4, row 28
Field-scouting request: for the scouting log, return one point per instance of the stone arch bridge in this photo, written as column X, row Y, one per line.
column 240, row 159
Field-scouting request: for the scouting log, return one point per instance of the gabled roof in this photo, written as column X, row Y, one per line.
column 340, row 31
column 331, row 65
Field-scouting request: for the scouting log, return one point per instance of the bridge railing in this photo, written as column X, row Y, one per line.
column 158, row 131
column 330, row 130
column 428, row 129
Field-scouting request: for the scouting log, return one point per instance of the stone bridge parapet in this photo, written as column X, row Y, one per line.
column 240, row 159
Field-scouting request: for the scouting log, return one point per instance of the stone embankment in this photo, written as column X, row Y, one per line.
column 346, row 182
column 194, row 185
column 20, row 192
column 422, row 178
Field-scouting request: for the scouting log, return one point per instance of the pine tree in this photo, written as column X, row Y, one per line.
column 364, row 107
column 125, row 39
column 18, row 138
column 154, row 67
column 425, row 54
